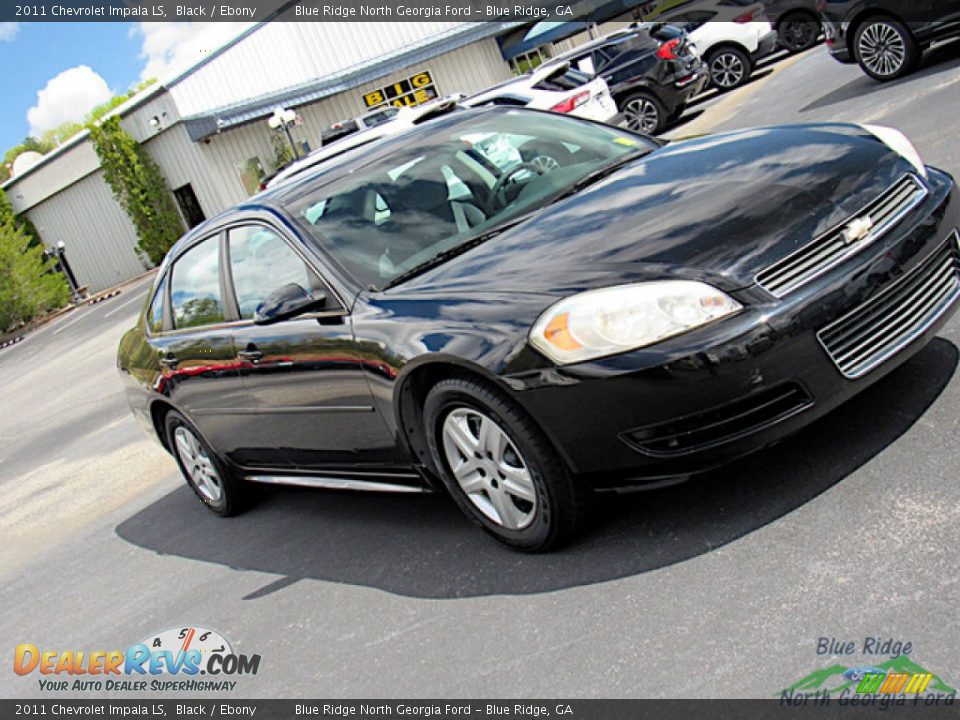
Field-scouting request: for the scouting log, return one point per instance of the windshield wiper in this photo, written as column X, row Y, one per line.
column 601, row 173
column 463, row 247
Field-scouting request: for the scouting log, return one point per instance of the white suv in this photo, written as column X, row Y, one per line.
column 731, row 37
column 553, row 86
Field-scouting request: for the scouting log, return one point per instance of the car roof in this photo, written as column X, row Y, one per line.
column 613, row 38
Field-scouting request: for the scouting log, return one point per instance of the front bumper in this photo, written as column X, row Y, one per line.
column 701, row 400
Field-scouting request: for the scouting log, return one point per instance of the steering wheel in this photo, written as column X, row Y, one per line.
column 496, row 195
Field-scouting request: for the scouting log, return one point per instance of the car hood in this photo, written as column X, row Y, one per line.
column 719, row 209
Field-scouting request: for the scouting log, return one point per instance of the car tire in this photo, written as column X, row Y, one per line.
column 644, row 113
column 885, row 48
column 206, row 474
column 499, row 467
column 798, row 31
column 730, row 67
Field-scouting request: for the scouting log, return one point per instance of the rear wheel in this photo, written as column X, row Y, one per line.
column 730, row 68
column 499, row 468
column 205, row 473
column 885, row 48
column 644, row 113
column 798, row 32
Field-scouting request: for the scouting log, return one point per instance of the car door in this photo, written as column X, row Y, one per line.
column 305, row 379
column 946, row 12
column 193, row 342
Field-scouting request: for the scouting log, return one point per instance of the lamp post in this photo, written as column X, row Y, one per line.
column 60, row 250
column 284, row 118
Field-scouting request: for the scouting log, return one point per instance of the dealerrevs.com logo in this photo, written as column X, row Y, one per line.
column 172, row 660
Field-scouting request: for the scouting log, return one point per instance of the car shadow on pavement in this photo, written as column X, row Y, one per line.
column 941, row 59
column 420, row 546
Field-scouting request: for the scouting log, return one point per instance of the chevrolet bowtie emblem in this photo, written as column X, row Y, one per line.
column 858, row 230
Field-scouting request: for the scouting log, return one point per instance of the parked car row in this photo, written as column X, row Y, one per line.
column 645, row 75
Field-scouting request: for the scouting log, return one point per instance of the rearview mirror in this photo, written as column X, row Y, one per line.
column 286, row 303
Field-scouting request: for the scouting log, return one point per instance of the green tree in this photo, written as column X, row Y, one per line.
column 54, row 137
column 139, row 187
column 28, row 283
column 282, row 152
column 7, row 213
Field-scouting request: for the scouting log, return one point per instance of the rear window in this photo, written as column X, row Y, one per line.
column 562, row 81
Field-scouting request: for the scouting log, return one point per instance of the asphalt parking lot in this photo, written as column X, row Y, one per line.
column 717, row 588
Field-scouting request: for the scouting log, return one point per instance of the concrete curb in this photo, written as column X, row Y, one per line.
column 106, row 295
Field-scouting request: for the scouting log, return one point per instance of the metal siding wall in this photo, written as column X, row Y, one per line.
column 99, row 238
column 183, row 161
column 299, row 52
column 70, row 166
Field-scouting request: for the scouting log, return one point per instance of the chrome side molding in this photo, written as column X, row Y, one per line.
column 331, row 483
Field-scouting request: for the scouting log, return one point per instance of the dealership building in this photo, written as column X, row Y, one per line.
column 207, row 128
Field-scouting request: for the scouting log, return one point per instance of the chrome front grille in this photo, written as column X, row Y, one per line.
column 878, row 329
column 834, row 247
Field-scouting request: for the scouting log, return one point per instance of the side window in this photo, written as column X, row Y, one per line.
column 195, row 286
column 155, row 313
column 262, row 262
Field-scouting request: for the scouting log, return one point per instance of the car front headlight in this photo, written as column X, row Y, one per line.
column 900, row 144
column 613, row 320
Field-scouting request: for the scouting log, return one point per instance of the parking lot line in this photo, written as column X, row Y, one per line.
column 121, row 307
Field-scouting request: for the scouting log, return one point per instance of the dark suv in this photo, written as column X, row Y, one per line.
column 651, row 70
column 887, row 37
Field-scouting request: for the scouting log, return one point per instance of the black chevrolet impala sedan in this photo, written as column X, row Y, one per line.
column 521, row 308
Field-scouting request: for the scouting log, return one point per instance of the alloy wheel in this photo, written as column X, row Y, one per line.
column 198, row 465
column 727, row 70
column 882, row 49
column 489, row 468
column 798, row 35
column 642, row 115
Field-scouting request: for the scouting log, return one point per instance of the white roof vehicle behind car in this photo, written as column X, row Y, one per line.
column 553, row 86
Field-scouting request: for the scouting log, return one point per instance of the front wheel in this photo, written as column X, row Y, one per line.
column 644, row 113
column 499, row 468
column 205, row 473
column 885, row 49
column 730, row 68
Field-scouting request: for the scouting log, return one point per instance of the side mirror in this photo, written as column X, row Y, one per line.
column 286, row 303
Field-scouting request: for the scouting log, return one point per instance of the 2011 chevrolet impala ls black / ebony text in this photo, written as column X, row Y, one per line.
column 519, row 308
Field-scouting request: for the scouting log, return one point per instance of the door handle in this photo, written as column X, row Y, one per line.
column 251, row 355
column 169, row 361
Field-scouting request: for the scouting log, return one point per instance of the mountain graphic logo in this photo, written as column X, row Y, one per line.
column 837, row 678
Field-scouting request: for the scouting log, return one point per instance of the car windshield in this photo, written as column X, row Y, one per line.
column 455, row 186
